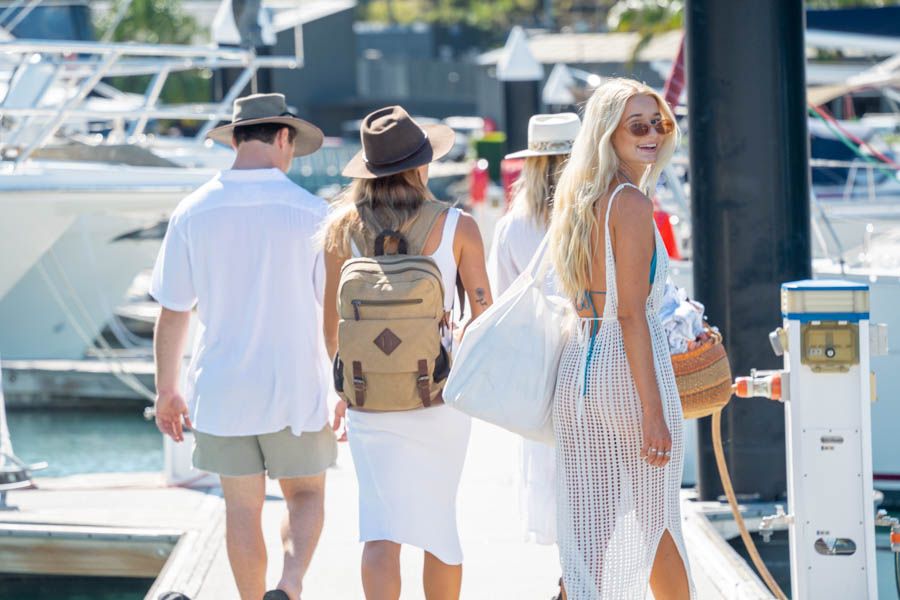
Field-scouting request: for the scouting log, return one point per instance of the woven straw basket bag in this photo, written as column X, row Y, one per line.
column 703, row 377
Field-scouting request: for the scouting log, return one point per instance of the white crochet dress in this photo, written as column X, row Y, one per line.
column 613, row 506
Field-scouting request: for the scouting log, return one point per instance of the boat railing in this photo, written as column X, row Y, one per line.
column 846, row 179
column 80, row 69
column 859, row 180
column 846, row 176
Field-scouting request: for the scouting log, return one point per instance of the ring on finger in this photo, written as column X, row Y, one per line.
column 651, row 450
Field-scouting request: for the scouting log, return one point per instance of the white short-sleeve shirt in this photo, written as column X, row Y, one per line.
column 241, row 248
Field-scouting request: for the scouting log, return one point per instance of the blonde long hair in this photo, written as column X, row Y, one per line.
column 588, row 175
column 369, row 206
column 533, row 190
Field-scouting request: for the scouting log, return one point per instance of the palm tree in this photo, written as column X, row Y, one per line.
column 647, row 18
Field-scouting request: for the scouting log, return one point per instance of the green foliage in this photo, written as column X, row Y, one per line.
column 648, row 18
column 485, row 14
column 628, row 15
column 157, row 22
column 652, row 16
column 850, row 3
column 151, row 22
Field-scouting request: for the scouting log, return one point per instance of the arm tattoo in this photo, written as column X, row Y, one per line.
column 479, row 297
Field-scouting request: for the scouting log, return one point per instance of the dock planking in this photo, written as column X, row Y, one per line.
column 113, row 525
column 498, row 563
column 42, row 549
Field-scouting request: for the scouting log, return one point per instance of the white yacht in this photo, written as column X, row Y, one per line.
column 70, row 197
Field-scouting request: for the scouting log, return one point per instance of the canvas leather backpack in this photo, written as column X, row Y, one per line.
column 391, row 310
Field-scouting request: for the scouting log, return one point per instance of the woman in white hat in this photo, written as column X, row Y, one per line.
column 516, row 238
column 519, row 233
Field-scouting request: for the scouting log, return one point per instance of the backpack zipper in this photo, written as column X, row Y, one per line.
column 357, row 303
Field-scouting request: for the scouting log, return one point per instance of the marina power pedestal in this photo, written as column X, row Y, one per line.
column 827, row 388
column 828, row 427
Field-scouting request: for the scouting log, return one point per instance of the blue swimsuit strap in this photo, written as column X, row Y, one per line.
column 595, row 327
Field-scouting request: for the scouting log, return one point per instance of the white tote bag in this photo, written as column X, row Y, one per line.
column 504, row 372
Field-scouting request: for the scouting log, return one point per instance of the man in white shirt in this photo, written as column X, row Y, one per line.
column 241, row 250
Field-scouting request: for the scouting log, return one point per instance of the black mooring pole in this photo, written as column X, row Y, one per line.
column 749, row 153
column 521, row 75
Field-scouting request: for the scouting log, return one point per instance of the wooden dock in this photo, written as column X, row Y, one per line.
column 144, row 526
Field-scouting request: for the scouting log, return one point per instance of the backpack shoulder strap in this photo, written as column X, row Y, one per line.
column 417, row 231
column 359, row 245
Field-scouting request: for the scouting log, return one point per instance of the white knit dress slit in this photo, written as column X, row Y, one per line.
column 614, row 507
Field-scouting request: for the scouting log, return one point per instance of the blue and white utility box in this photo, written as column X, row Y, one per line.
column 828, row 392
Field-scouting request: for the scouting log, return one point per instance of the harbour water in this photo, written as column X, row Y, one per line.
column 89, row 441
column 72, row 588
column 75, row 442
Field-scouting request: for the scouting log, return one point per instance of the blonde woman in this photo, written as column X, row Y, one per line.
column 408, row 463
column 516, row 238
column 617, row 415
column 519, row 233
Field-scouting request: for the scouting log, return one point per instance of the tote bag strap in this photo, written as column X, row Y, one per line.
column 541, row 263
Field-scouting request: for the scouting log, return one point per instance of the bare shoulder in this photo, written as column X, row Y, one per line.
column 467, row 231
column 631, row 207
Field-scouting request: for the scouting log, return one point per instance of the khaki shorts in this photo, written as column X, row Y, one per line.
column 282, row 454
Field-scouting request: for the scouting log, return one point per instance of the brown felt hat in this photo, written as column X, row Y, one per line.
column 269, row 108
column 392, row 142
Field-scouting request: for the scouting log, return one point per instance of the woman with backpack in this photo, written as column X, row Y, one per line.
column 516, row 238
column 616, row 411
column 393, row 256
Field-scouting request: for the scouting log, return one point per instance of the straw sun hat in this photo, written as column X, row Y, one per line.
column 392, row 142
column 549, row 135
column 269, row 108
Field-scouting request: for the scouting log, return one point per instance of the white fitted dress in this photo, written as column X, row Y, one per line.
column 409, row 463
column 613, row 506
column 516, row 239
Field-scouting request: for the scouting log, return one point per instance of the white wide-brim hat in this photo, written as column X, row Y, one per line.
column 549, row 135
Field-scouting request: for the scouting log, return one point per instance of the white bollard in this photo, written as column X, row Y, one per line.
column 177, row 465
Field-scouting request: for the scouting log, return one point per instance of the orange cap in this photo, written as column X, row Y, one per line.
column 775, row 387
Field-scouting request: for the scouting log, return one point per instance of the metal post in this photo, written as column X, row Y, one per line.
column 120, row 15
column 749, row 169
column 225, row 105
column 13, row 137
column 83, row 90
column 549, row 15
column 521, row 75
column 9, row 11
column 23, row 14
column 152, row 95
